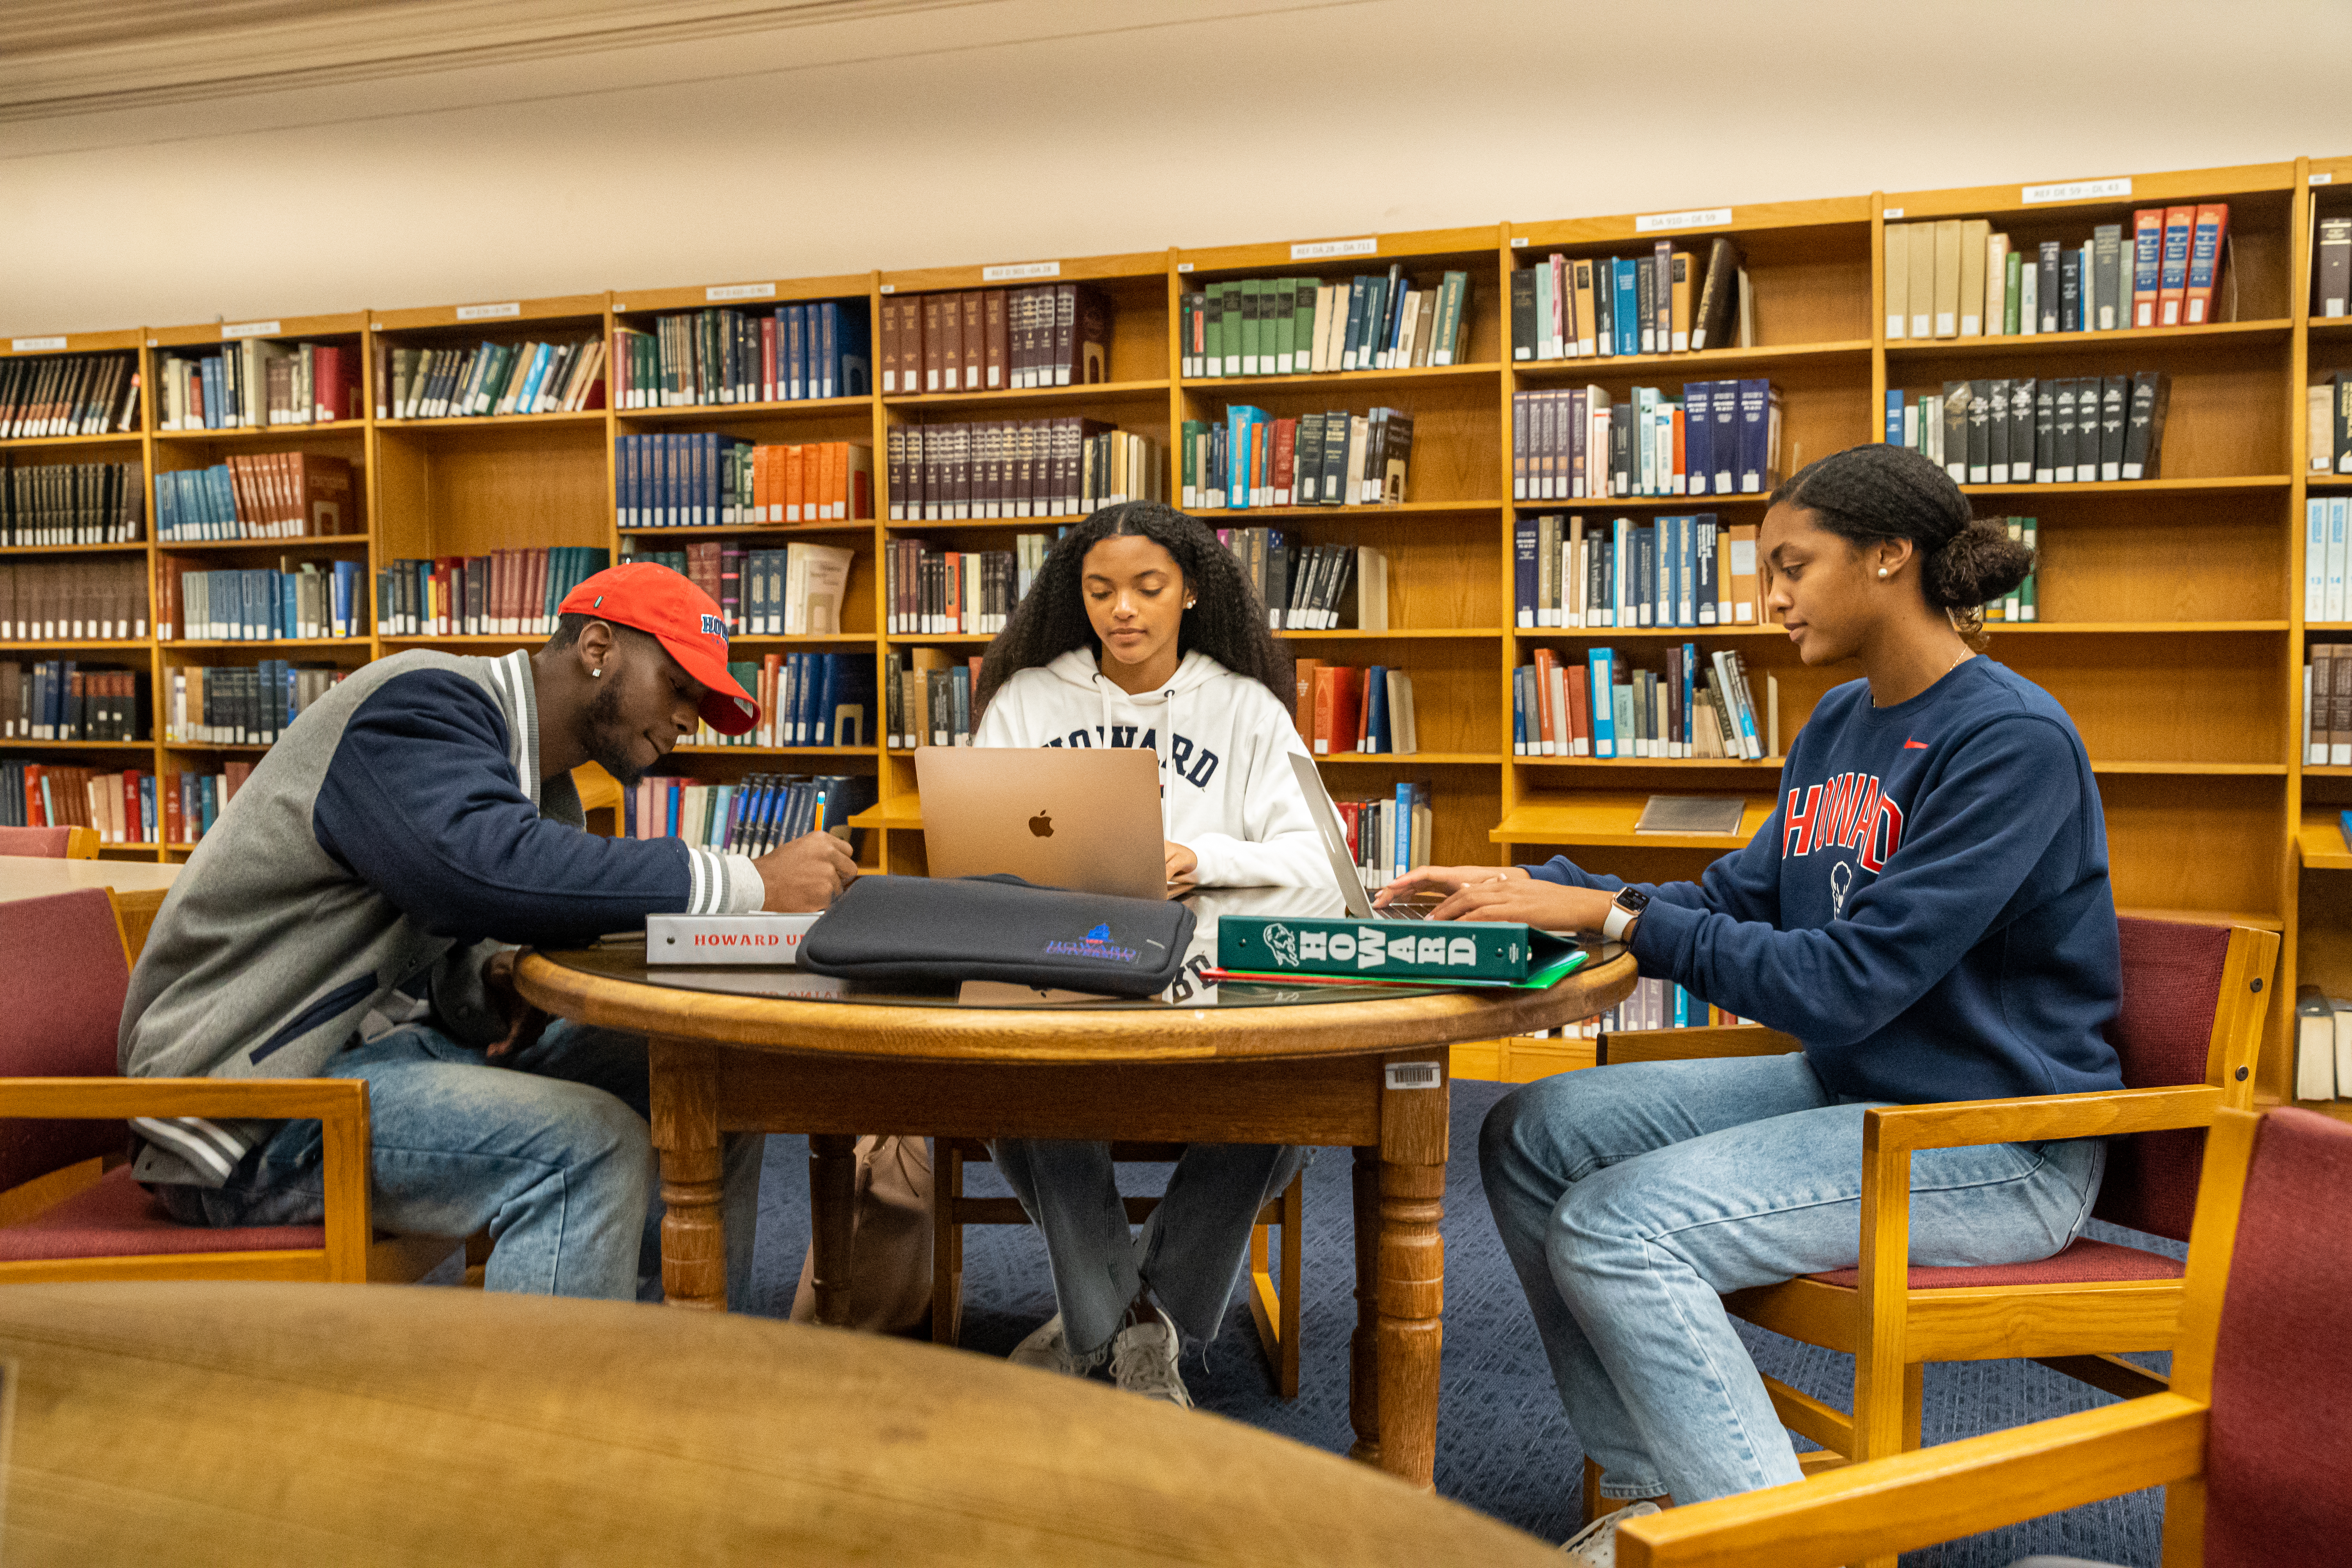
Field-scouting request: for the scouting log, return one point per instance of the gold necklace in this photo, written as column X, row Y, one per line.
column 1966, row 654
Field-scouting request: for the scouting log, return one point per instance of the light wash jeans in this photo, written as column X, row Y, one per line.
column 1631, row 1196
column 1189, row 1251
column 548, row 1148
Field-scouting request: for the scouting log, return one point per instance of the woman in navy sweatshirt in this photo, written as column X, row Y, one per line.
column 1927, row 910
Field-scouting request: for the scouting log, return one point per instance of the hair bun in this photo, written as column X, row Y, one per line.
column 1979, row 563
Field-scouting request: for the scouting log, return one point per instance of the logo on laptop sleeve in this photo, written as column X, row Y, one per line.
column 1041, row 825
column 1282, row 944
column 1096, row 943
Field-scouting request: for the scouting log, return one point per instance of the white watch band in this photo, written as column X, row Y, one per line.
column 1613, row 923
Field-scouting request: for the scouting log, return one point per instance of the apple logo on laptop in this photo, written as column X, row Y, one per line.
column 1041, row 825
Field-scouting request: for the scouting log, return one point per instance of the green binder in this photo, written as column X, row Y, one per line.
column 1453, row 953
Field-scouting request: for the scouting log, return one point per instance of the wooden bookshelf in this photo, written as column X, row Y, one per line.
column 2170, row 623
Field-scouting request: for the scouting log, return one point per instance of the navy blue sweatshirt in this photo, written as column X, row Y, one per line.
column 1928, row 909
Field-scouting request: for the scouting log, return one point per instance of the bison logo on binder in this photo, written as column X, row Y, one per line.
column 1283, row 944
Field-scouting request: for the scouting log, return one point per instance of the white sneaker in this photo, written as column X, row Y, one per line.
column 1048, row 1350
column 1595, row 1546
column 1143, row 1360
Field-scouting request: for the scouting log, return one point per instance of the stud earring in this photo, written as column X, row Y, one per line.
column 598, row 674
column 1882, row 571
column 1190, row 603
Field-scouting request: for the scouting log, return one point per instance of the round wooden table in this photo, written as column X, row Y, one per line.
column 248, row 1426
column 1326, row 1067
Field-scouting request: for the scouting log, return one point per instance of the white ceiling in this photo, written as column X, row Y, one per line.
column 63, row 57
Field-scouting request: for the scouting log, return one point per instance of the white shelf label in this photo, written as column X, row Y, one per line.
column 1891, row 212
column 1415, row 1075
column 1518, row 242
column 2076, row 191
column 249, row 330
column 489, row 312
column 35, row 346
column 1654, row 223
column 1318, row 250
column 1183, row 267
column 1017, row 270
column 889, row 288
column 740, row 291
column 2327, row 179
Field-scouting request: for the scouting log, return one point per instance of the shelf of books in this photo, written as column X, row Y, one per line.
column 1457, row 463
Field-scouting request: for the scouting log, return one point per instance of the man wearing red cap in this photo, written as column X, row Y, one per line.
column 354, row 913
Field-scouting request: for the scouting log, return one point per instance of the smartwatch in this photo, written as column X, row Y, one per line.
column 1624, row 910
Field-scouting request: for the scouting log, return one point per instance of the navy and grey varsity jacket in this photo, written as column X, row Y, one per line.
column 397, row 831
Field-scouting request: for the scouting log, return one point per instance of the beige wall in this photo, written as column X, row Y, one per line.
column 1013, row 129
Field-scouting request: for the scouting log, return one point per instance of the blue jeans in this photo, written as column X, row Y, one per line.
column 1189, row 1251
column 1631, row 1197
column 547, row 1149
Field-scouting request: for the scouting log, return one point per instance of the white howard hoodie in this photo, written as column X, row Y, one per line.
column 1227, row 791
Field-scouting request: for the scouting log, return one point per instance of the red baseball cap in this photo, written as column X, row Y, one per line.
column 651, row 598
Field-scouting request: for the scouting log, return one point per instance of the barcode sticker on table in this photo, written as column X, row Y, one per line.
column 1415, row 1075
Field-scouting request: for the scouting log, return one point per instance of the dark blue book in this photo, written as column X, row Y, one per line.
column 1698, row 430
column 1376, row 711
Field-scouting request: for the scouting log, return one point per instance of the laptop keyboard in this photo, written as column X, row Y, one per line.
column 1403, row 912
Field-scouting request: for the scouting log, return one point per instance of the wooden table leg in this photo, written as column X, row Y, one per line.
column 1363, row 1372
column 832, row 1211
column 1411, row 1266
column 685, row 1101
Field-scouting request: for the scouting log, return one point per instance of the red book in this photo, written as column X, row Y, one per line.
column 951, row 346
column 133, row 830
column 34, row 816
column 169, row 790
column 2147, row 264
column 2206, row 238
column 1343, row 717
column 1580, row 708
column 2172, row 269
column 1546, row 740
column 536, row 606
column 1286, row 451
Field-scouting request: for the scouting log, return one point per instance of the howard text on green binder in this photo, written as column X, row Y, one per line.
column 1478, row 953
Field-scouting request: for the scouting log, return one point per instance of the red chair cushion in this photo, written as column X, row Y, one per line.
column 61, row 1009
column 2082, row 1262
column 116, row 1218
column 2278, row 1456
column 2172, row 987
column 35, row 843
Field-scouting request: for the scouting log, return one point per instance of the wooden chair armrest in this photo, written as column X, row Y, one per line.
column 1885, row 1506
column 1959, row 1123
column 339, row 1105
column 271, row 1098
column 1686, row 1045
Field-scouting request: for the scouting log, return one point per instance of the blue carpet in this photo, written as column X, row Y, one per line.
column 1503, row 1443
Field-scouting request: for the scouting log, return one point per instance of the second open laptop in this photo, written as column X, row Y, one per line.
column 1343, row 860
column 1087, row 820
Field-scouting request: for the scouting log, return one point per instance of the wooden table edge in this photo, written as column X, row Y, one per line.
column 1048, row 1034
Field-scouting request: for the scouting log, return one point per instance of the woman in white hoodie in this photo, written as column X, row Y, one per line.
column 1141, row 631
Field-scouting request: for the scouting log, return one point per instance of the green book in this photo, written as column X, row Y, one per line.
column 1282, row 297
column 2014, row 297
column 1469, row 953
column 1302, row 344
column 1225, row 339
column 1252, row 323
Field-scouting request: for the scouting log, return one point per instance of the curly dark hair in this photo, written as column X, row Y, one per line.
column 1227, row 621
column 1869, row 493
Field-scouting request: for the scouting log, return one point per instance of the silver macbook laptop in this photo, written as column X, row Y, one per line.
column 1343, row 862
column 1061, row 818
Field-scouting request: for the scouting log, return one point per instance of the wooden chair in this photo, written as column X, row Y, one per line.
column 69, row 1208
column 50, row 843
column 2249, row 1441
column 2190, row 1024
column 1275, row 1310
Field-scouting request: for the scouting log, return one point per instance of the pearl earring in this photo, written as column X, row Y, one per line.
column 1882, row 572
